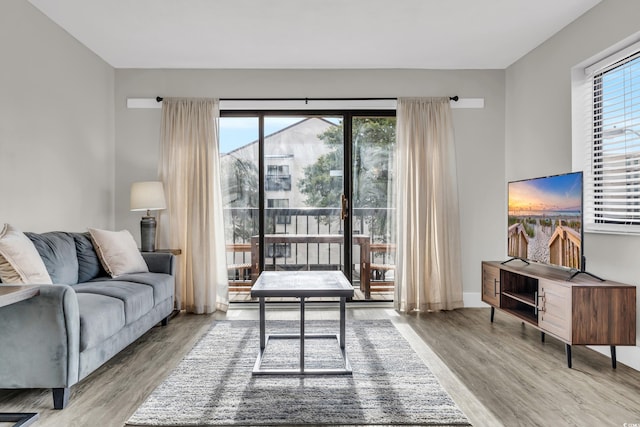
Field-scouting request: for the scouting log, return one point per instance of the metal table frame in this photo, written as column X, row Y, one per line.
column 21, row 419
column 302, row 292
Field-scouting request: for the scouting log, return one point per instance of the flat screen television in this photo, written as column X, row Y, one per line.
column 545, row 220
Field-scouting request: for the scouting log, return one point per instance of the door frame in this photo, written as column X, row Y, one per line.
column 347, row 174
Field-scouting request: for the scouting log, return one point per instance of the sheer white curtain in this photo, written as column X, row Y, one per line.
column 428, row 228
column 190, row 170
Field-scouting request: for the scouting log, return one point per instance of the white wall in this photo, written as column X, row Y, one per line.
column 56, row 126
column 538, row 125
column 479, row 132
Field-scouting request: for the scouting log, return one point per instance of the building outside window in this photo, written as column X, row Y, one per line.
column 278, row 178
column 280, row 218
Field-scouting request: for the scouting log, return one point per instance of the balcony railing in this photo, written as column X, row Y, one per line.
column 320, row 249
column 242, row 223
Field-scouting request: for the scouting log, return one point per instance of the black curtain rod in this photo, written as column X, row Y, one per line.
column 306, row 100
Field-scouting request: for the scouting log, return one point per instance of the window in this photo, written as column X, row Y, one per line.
column 278, row 178
column 279, row 216
column 612, row 184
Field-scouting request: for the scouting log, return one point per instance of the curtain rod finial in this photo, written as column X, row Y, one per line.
column 454, row 98
column 158, row 99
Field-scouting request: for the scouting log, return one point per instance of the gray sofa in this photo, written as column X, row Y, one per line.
column 57, row 338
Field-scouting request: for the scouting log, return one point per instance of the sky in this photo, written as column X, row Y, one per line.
column 554, row 193
column 238, row 131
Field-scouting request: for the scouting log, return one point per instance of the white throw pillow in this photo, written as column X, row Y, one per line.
column 118, row 252
column 20, row 261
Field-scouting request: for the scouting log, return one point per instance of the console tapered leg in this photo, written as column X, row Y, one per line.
column 567, row 349
column 614, row 363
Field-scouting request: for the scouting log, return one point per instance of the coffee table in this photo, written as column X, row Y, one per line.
column 302, row 285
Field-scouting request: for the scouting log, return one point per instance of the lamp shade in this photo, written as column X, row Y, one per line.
column 147, row 195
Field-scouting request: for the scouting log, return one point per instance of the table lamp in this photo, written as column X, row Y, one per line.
column 147, row 196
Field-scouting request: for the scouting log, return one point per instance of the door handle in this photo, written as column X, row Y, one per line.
column 344, row 206
column 541, row 297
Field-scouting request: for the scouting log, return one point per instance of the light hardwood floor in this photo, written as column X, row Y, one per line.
column 499, row 373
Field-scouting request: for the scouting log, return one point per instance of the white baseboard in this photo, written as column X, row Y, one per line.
column 473, row 300
column 626, row 355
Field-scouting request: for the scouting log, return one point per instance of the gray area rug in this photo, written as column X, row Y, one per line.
column 213, row 384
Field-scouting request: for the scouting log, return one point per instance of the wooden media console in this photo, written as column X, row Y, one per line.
column 583, row 311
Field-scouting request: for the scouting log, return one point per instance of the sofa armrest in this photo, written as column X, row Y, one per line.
column 40, row 340
column 160, row 262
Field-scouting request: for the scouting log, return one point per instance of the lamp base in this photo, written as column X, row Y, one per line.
column 148, row 234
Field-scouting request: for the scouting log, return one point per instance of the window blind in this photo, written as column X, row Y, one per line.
column 612, row 184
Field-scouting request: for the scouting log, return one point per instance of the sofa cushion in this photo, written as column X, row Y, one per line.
column 163, row 284
column 118, row 252
column 137, row 298
column 58, row 252
column 100, row 318
column 89, row 266
column 19, row 259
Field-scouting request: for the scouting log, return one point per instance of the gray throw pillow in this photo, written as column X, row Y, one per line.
column 89, row 266
column 58, row 251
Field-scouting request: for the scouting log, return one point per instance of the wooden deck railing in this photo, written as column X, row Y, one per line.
column 564, row 247
column 239, row 273
column 518, row 241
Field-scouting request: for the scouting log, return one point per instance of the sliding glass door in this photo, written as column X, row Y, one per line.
column 373, row 141
column 309, row 192
column 303, row 184
column 239, row 162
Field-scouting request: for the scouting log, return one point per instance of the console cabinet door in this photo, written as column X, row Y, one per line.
column 554, row 309
column 491, row 285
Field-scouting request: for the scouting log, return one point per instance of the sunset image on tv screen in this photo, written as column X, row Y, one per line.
column 545, row 220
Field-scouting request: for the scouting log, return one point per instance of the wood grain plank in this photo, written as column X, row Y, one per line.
column 520, row 380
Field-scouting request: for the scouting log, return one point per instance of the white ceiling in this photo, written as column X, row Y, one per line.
column 430, row 34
